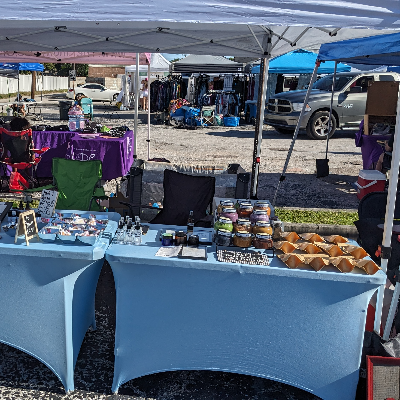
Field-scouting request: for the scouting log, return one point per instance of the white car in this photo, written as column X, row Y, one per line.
column 95, row 91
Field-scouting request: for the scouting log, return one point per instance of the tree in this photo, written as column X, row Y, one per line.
column 63, row 69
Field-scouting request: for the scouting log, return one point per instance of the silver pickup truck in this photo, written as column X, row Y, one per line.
column 348, row 109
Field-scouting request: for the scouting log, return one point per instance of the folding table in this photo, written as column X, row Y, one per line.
column 300, row 327
column 47, row 293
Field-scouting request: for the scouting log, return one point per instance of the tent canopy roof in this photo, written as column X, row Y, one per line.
column 300, row 62
column 234, row 28
column 376, row 50
column 207, row 64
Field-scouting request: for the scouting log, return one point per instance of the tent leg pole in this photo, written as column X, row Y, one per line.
column 148, row 112
column 136, row 108
column 296, row 132
column 262, row 92
column 330, row 111
column 388, row 227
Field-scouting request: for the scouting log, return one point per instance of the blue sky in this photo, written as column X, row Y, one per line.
column 170, row 57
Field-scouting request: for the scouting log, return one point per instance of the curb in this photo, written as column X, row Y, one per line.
column 349, row 231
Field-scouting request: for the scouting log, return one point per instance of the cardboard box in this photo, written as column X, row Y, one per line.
column 382, row 98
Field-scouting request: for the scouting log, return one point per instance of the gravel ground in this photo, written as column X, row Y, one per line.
column 23, row 377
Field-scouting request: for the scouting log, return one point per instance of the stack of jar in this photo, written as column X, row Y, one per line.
column 243, row 224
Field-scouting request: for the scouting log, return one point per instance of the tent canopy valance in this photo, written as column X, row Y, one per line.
column 300, row 62
column 121, row 58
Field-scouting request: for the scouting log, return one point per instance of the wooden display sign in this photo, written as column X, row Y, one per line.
column 27, row 226
column 47, row 203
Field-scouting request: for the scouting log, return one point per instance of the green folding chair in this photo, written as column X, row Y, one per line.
column 78, row 184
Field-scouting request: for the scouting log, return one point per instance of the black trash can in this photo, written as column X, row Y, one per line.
column 65, row 105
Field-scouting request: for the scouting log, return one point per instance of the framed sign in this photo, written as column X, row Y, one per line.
column 26, row 226
column 47, row 203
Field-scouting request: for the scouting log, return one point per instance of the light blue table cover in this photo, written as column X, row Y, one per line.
column 300, row 327
column 47, row 293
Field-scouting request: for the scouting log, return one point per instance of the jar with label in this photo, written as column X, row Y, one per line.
column 180, row 238
column 262, row 227
column 263, row 205
column 230, row 212
column 242, row 225
column 223, row 223
column 245, row 210
column 224, row 203
column 263, row 241
column 259, row 215
column 223, row 238
column 242, row 239
column 193, row 241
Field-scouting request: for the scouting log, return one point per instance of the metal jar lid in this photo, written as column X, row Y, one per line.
column 226, row 203
column 260, row 212
column 224, row 220
column 224, row 232
column 245, row 203
column 263, row 224
column 263, row 236
column 243, row 234
column 243, row 221
column 228, row 210
column 262, row 203
column 248, row 207
column 180, row 234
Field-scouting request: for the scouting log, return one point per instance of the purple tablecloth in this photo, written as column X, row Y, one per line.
column 116, row 154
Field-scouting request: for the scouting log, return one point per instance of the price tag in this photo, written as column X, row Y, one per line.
column 27, row 226
column 47, row 203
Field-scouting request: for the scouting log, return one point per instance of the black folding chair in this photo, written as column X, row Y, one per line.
column 184, row 193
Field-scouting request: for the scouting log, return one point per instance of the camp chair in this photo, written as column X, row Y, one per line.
column 78, row 184
column 182, row 194
column 17, row 152
column 87, row 107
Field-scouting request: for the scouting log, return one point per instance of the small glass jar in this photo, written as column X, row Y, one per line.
column 193, row 240
column 242, row 239
column 242, row 225
column 180, row 238
column 167, row 239
column 263, row 241
column 223, row 238
column 262, row 227
column 223, row 223
column 263, row 205
column 259, row 215
column 230, row 212
column 223, row 204
column 245, row 210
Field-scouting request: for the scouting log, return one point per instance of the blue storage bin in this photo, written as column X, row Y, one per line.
column 179, row 112
column 231, row 121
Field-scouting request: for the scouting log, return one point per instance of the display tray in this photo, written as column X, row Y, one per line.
column 240, row 255
column 194, row 253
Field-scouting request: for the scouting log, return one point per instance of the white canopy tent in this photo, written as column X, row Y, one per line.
column 252, row 28
column 158, row 63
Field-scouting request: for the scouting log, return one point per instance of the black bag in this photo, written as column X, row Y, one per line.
column 322, row 167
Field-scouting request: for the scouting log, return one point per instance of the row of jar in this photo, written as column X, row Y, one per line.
column 243, row 225
column 243, row 239
column 244, row 209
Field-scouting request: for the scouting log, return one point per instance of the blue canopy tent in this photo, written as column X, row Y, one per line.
column 376, row 50
column 300, row 62
column 11, row 70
